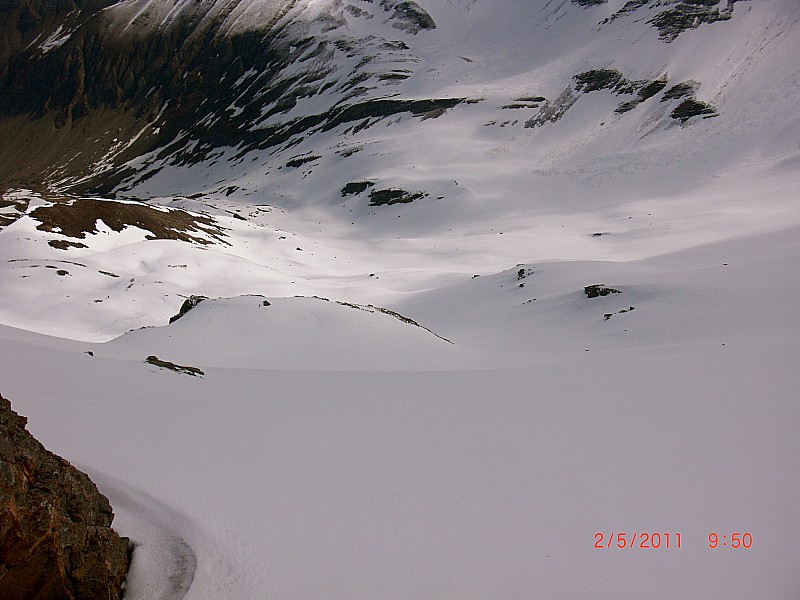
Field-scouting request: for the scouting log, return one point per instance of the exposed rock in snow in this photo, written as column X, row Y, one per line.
column 56, row 539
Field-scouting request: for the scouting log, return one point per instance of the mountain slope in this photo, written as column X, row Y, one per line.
column 482, row 283
column 362, row 129
column 188, row 88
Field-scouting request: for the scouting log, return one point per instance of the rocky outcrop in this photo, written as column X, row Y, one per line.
column 187, row 305
column 673, row 17
column 690, row 14
column 615, row 82
column 599, row 289
column 56, row 539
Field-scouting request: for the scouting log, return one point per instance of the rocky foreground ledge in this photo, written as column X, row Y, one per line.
column 56, row 539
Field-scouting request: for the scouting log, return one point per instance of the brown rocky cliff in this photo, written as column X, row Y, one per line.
column 56, row 539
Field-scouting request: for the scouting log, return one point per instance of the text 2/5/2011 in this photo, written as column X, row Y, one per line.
column 640, row 540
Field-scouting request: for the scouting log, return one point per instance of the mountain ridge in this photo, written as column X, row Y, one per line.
column 143, row 80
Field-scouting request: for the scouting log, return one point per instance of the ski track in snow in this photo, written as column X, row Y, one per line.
column 163, row 565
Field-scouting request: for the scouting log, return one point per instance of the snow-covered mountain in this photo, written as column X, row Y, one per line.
column 136, row 98
column 480, row 283
column 318, row 124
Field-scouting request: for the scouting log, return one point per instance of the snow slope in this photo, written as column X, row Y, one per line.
column 418, row 399
column 291, row 475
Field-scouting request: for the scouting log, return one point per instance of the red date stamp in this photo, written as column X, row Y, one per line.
column 734, row 540
column 655, row 540
column 640, row 540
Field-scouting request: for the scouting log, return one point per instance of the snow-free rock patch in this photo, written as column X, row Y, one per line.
column 56, row 539
column 599, row 289
column 165, row 364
